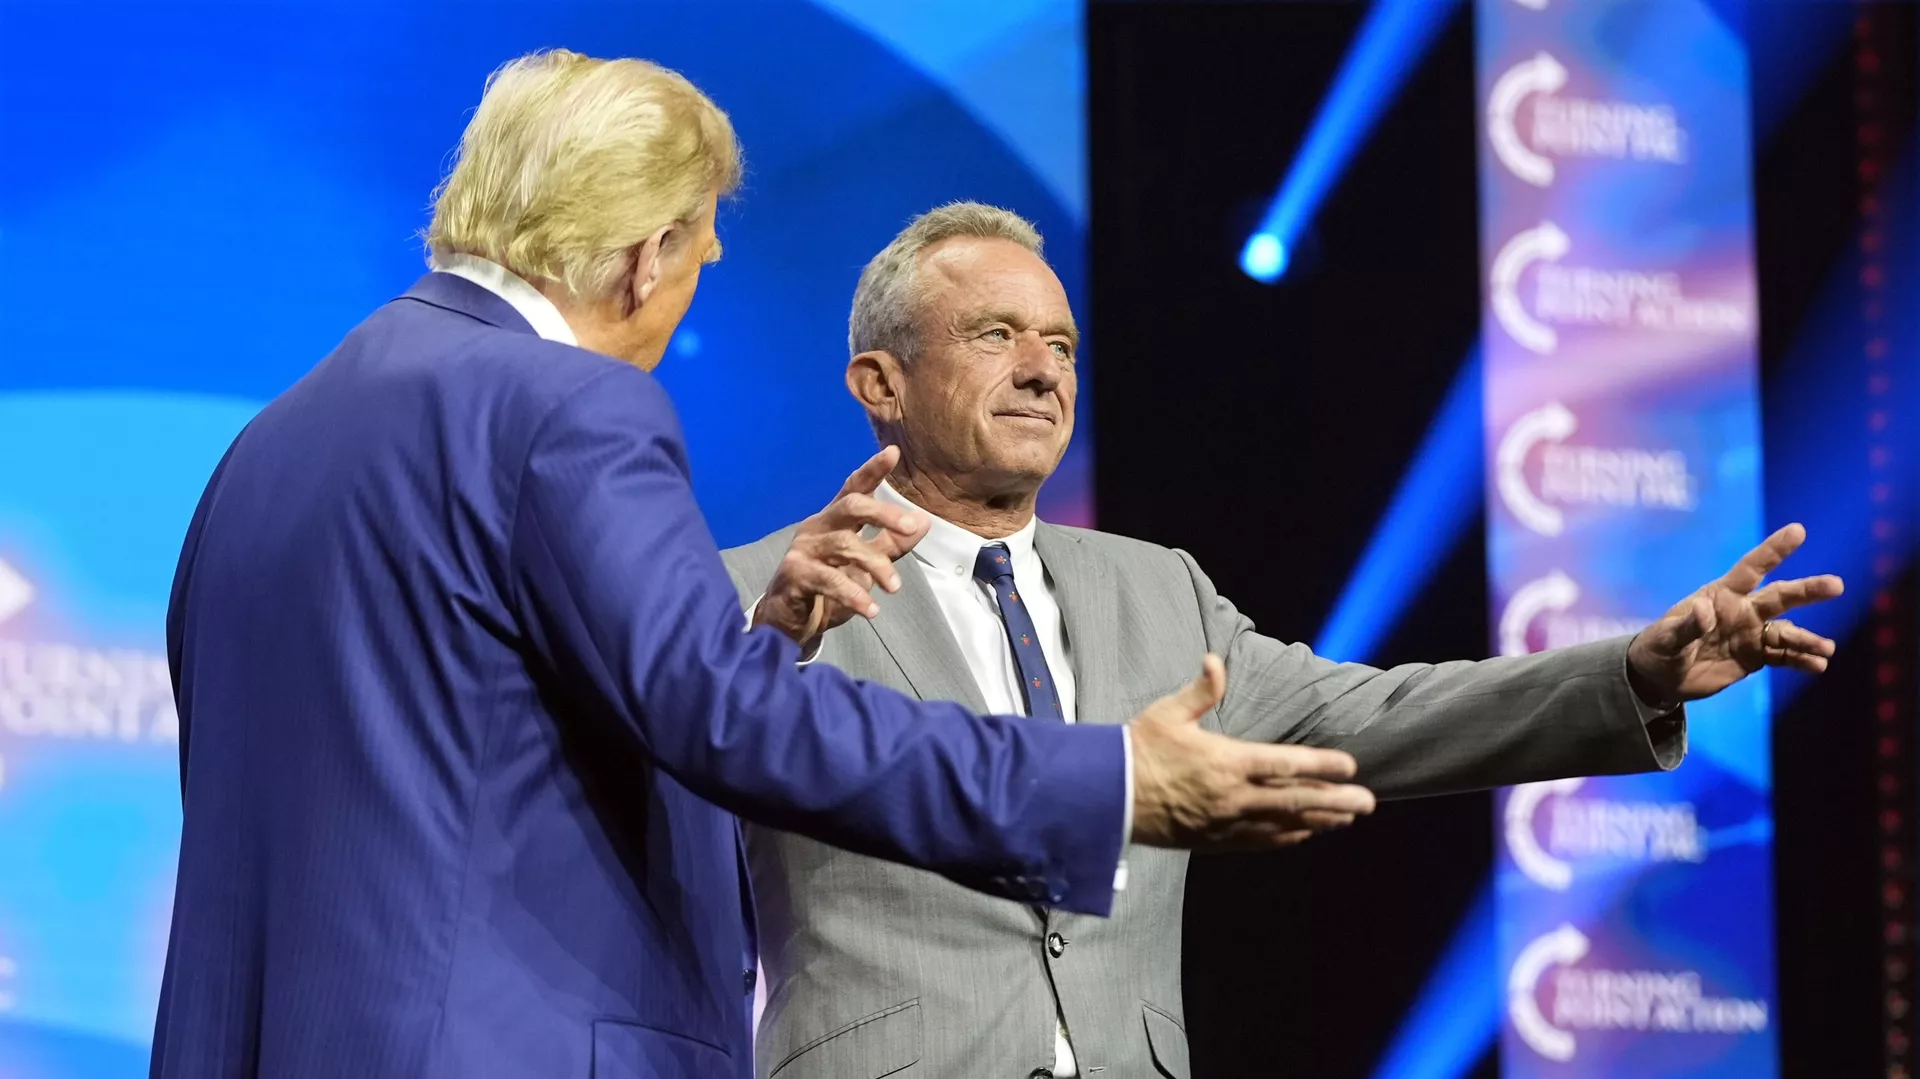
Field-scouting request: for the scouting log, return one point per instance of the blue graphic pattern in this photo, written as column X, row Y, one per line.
column 1623, row 454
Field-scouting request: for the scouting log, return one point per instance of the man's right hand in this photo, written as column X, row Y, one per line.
column 827, row 574
column 1204, row 791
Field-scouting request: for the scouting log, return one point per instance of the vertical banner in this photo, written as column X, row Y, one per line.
column 1622, row 427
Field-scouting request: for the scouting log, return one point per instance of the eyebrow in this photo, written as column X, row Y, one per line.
column 1013, row 318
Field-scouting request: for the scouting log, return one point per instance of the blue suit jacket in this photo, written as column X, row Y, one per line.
column 461, row 682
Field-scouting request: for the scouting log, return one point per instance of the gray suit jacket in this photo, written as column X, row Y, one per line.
column 876, row 969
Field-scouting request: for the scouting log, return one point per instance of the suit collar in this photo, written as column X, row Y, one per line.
column 533, row 305
column 461, row 296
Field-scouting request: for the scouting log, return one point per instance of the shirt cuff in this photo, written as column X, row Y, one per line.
column 1126, row 816
column 812, row 652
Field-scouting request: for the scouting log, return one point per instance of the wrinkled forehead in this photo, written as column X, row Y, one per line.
column 963, row 276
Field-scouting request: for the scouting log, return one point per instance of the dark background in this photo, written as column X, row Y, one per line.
column 1264, row 429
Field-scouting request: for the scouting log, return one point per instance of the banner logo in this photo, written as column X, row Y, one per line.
column 1554, row 592
column 1573, row 127
column 1550, row 424
column 1588, row 296
column 16, row 592
column 1539, row 866
column 1544, row 244
column 1553, row 596
column 1560, row 948
column 69, row 691
column 1540, row 75
column 1582, row 475
column 1582, row 828
column 1645, row 1001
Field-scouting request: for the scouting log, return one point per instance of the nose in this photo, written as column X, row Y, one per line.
column 1039, row 369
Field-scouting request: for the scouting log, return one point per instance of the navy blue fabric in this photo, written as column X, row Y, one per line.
column 466, row 707
column 993, row 567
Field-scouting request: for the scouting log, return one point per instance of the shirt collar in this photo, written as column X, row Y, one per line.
column 951, row 550
column 540, row 313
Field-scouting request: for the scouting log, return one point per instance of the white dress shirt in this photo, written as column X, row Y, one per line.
column 946, row 556
column 540, row 313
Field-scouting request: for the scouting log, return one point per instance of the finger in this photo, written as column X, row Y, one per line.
column 1273, row 801
column 856, row 557
column 1783, row 596
column 892, row 545
column 1256, row 836
column 837, row 587
column 1325, row 820
column 853, row 512
column 866, row 479
column 1754, row 566
column 816, row 619
column 1784, row 638
column 1265, row 763
column 1695, row 624
column 1801, row 661
column 1196, row 698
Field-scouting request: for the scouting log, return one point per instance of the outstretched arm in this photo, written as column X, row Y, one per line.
column 1607, row 708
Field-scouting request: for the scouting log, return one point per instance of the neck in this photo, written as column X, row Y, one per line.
column 992, row 517
column 600, row 327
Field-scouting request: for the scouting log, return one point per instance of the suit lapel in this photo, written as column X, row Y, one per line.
column 914, row 632
column 1085, row 594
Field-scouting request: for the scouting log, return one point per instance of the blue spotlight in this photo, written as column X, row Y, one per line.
column 1458, row 1011
column 1438, row 496
column 1264, row 258
column 1390, row 43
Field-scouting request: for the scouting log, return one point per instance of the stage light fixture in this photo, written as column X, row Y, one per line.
column 1388, row 47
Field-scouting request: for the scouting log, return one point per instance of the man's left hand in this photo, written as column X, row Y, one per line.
column 1731, row 628
column 827, row 575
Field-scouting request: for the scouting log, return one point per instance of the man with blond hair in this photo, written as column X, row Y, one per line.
column 461, row 678
column 963, row 357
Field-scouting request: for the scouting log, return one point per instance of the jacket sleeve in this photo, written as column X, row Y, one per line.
column 620, row 590
column 1421, row 729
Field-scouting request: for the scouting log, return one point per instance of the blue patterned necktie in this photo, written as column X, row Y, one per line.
column 994, row 568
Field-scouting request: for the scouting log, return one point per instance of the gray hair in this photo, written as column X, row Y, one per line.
column 886, row 302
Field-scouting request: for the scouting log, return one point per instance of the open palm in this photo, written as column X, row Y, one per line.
column 1732, row 627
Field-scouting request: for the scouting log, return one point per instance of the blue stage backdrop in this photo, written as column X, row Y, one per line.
column 1623, row 469
column 198, row 199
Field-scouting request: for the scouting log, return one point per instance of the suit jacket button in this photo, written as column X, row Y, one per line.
column 1040, row 1073
column 750, row 978
column 1056, row 944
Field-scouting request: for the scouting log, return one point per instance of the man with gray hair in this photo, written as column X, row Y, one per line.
column 461, row 679
column 963, row 356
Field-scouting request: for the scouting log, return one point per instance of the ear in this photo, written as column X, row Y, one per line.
column 648, row 258
column 875, row 380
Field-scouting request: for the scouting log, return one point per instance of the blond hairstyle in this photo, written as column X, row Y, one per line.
column 886, row 302
column 569, row 161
